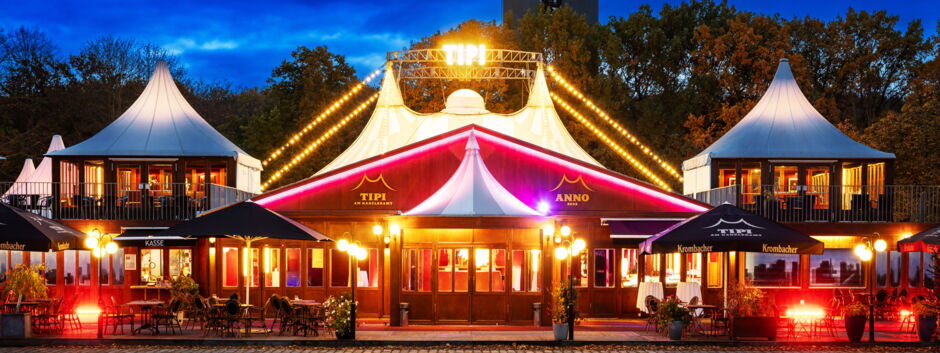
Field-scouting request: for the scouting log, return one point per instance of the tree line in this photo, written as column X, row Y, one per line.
column 678, row 77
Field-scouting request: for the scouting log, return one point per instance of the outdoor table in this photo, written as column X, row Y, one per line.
column 648, row 288
column 146, row 310
column 305, row 302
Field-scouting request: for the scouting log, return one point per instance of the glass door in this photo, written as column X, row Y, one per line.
column 490, row 276
column 453, row 284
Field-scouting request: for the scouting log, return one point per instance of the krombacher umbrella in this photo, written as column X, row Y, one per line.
column 728, row 228
column 927, row 241
column 25, row 231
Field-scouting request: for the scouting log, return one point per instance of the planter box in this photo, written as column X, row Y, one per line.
column 560, row 331
column 754, row 327
column 855, row 327
column 926, row 326
column 15, row 325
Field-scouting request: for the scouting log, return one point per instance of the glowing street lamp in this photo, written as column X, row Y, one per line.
column 356, row 253
column 567, row 248
column 865, row 252
column 100, row 244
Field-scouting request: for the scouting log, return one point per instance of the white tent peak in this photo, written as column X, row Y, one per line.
column 160, row 123
column 27, row 170
column 465, row 102
column 43, row 172
column 391, row 94
column 784, row 124
column 56, row 144
column 472, row 192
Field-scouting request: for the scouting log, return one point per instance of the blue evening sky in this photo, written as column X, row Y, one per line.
column 241, row 41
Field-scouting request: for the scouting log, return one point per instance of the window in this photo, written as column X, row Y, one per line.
column 914, row 269
column 836, row 268
column 490, row 270
column 851, row 185
column 69, row 261
column 4, row 265
column 651, row 268
column 579, row 269
column 673, row 263
column 525, row 271
column 217, row 174
column 272, row 267
column 693, row 268
column 50, row 260
column 94, row 178
column 255, row 266
column 181, row 262
column 881, row 269
column 293, row 267
column 128, row 184
column 160, row 180
column 368, row 275
column 84, row 267
column 817, row 187
column 416, row 270
column 196, row 179
column 104, row 269
column 772, row 270
column 16, row 258
column 339, row 268
column 726, row 176
column 930, row 270
column 876, row 180
column 715, row 269
column 229, row 267
column 117, row 266
column 151, row 265
column 786, row 179
column 453, row 267
column 35, row 259
column 314, row 273
column 894, row 269
column 604, row 270
column 750, row 181
column 629, row 275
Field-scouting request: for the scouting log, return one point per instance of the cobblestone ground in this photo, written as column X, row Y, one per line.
column 461, row 349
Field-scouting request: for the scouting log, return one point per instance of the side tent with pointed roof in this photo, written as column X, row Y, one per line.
column 783, row 125
column 162, row 124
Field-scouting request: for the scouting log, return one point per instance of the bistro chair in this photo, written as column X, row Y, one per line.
column 168, row 316
column 115, row 316
column 274, row 302
column 215, row 321
column 67, row 315
column 45, row 317
column 252, row 318
column 652, row 305
column 198, row 312
column 233, row 316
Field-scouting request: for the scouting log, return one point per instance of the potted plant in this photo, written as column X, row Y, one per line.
column 184, row 289
column 672, row 315
column 563, row 296
column 856, row 314
column 926, row 313
column 24, row 282
column 339, row 315
column 751, row 313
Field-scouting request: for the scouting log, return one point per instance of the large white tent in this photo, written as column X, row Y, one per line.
column 472, row 192
column 19, row 186
column 40, row 180
column 161, row 123
column 393, row 125
column 783, row 124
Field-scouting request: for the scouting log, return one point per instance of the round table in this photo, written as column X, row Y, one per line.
column 648, row 288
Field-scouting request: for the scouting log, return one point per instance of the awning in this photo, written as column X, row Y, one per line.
column 637, row 228
column 928, row 241
column 144, row 237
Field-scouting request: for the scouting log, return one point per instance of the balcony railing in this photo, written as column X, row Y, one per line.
column 832, row 203
column 119, row 201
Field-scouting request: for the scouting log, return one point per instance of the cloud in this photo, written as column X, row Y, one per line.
column 183, row 45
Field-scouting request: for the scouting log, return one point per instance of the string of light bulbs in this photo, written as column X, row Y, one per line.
column 313, row 145
column 332, row 108
column 636, row 164
column 614, row 124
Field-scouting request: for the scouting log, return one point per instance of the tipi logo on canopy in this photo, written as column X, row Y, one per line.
column 739, row 228
column 372, row 191
column 572, row 192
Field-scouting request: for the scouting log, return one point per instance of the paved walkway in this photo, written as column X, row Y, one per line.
column 462, row 349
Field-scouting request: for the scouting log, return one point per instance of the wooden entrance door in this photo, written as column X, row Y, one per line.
column 489, row 300
column 452, row 292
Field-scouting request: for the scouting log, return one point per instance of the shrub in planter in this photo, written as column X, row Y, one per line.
column 752, row 315
column 184, row 288
column 339, row 315
column 856, row 315
column 563, row 296
column 25, row 282
column 926, row 313
column 670, row 314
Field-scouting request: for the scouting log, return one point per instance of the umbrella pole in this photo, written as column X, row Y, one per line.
column 250, row 272
column 727, row 262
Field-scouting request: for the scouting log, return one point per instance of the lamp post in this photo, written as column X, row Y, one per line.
column 567, row 248
column 866, row 252
column 356, row 253
column 100, row 245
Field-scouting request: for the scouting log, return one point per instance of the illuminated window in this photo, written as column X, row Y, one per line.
column 255, row 267
column 50, row 261
column 339, row 268
column 881, row 269
column 117, row 266
column 914, row 269
column 84, row 267
column 230, row 267
column 579, row 269
column 817, row 187
column 104, row 270
column 673, row 267
column 151, row 265
column 772, row 270
column 160, row 180
column 416, row 270
column 368, row 275
column 293, row 267
column 876, row 180
column 894, row 268
column 181, row 262
column 629, row 269
column 315, row 272
column 836, row 268
column 196, row 180
column 930, row 270
column 750, row 181
column 272, row 267
column 218, row 174
column 726, row 177
column 604, row 270
column 94, row 179
column 525, row 270
column 490, row 270
column 16, row 258
column 651, row 268
column 128, row 185
column 851, row 185
column 68, row 275
column 693, row 267
column 715, row 269
column 786, row 179
column 453, row 270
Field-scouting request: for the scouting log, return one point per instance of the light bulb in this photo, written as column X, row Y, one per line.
column 860, row 251
column 561, row 253
column 866, row 255
column 96, row 252
column 548, row 230
column 377, row 229
column 881, row 245
column 394, row 229
column 565, row 230
column 91, row 242
column 578, row 246
column 342, row 244
column 111, row 248
column 352, row 248
column 361, row 254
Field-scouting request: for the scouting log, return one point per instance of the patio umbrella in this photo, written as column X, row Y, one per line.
column 245, row 221
column 25, row 231
column 926, row 241
column 728, row 228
